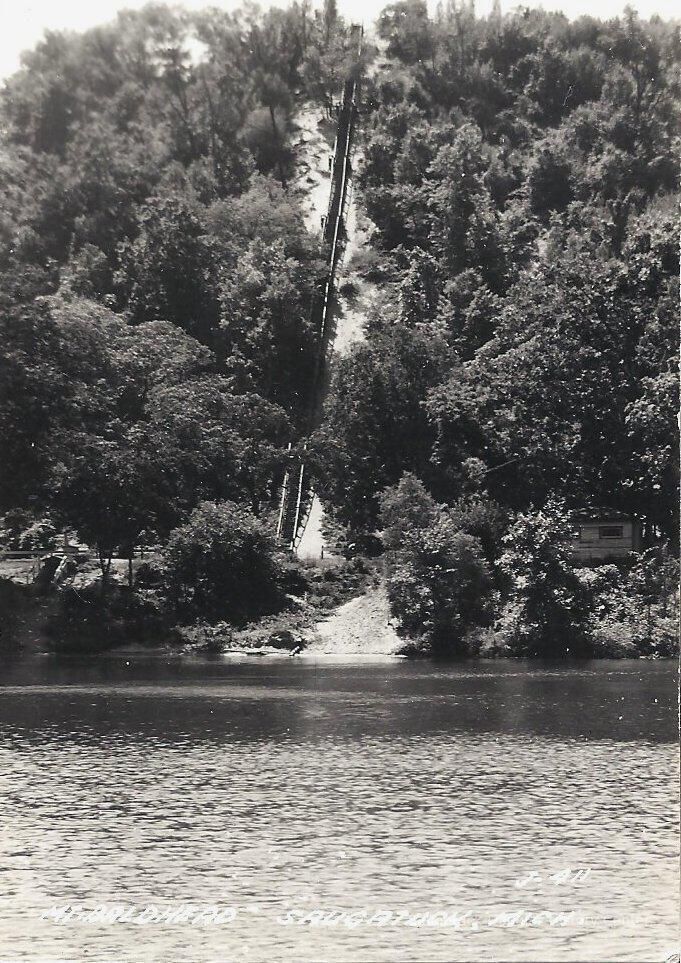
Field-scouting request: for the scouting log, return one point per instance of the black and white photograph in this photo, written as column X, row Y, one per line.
column 339, row 481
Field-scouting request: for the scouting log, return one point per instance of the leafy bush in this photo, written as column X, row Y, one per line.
column 14, row 600
column 88, row 620
column 222, row 564
column 406, row 509
column 22, row 532
column 441, row 586
column 546, row 603
column 484, row 518
column 633, row 609
column 149, row 575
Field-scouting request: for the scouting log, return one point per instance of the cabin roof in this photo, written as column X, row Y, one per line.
column 600, row 515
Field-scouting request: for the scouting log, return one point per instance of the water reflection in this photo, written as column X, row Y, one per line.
column 280, row 785
column 208, row 698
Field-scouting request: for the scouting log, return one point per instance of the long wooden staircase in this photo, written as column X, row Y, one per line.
column 297, row 486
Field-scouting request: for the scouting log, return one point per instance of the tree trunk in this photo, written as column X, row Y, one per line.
column 105, row 566
column 275, row 134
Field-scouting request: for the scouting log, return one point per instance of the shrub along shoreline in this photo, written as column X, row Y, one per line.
column 475, row 579
column 463, row 581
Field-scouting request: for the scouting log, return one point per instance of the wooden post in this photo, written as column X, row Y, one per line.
column 298, row 501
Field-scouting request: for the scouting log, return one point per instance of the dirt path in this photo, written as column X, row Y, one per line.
column 313, row 184
column 312, row 136
column 312, row 544
column 351, row 309
column 359, row 627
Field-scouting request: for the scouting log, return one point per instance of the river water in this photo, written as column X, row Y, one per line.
column 423, row 801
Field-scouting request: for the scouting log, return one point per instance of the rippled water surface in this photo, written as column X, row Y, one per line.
column 280, row 788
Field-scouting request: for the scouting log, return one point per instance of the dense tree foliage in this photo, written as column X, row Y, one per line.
column 545, row 599
column 376, row 424
column 440, row 584
column 156, row 274
column 119, row 430
column 138, row 169
column 521, row 173
column 222, row 564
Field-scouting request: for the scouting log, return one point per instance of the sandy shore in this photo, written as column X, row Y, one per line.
column 359, row 627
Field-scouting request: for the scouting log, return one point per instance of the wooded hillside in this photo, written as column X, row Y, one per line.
column 521, row 172
column 155, row 270
column 519, row 176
